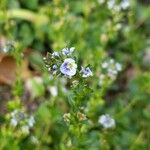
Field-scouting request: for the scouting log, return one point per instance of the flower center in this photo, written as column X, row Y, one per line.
column 69, row 65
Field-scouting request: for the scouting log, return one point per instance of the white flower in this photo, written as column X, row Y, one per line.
column 54, row 69
column 118, row 67
column 68, row 67
column 31, row 121
column 104, row 65
column 111, row 4
column 106, row 121
column 53, row 90
column 68, row 51
column 124, row 4
column 111, row 61
column 55, row 54
column 101, row 1
column 86, row 72
column 14, row 122
column 112, row 71
column 34, row 140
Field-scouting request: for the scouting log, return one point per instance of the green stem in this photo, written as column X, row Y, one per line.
column 126, row 108
column 137, row 140
column 26, row 15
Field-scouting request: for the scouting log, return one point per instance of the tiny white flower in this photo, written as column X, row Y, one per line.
column 104, row 65
column 111, row 4
column 68, row 67
column 53, row 90
column 55, row 54
column 54, row 69
column 44, row 58
column 106, row 121
column 86, row 72
column 68, row 51
column 72, row 49
column 101, row 1
column 111, row 61
column 112, row 71
column 124, row 4
column 14, row 122
column 118, row 67
column 31, row 121
column 34, row 140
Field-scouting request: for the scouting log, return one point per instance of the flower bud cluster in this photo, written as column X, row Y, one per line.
column 110, row 69
column 21, row 119
column 64, row 63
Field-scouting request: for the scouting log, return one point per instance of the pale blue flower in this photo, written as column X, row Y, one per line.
column 68, row 51
column 118, row 66
column 86, row 72
column 55, row 54
column 31, row 121
column 68, row 67
column 125, row 4
column 111, row 3
column 54, row 69
column 14, row 122
column 105, row 65
column 106, row 121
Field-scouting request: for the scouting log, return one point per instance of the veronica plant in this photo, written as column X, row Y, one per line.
column 65, row 64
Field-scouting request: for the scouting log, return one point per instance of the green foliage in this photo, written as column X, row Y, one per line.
column 67, row 111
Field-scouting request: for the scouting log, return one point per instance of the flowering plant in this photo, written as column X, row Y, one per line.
column 64, row 63
column 94, row 97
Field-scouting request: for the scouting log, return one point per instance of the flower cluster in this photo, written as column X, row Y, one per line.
column 110, row 69
column 80, row 116
column 124, row 4
column 113, row 4
column 20, row 118
column 64, row 63
column 67, row 117
column 106, row 121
